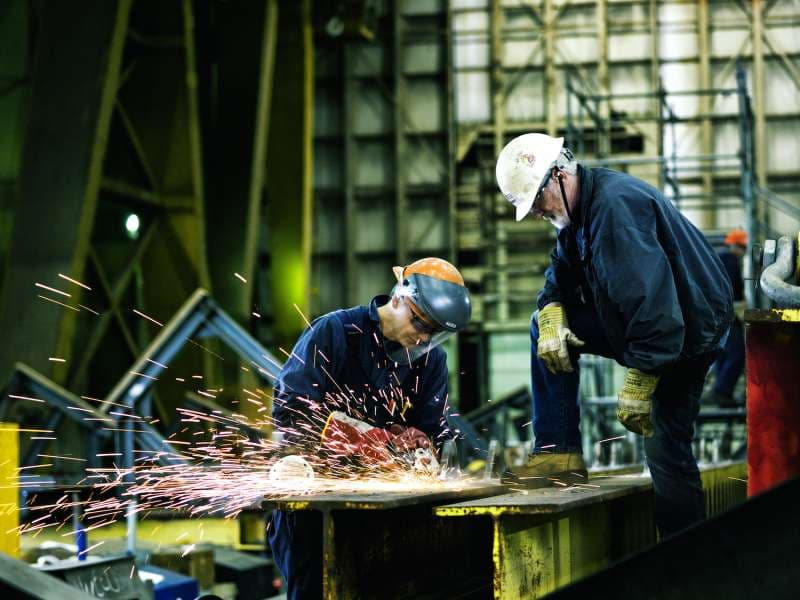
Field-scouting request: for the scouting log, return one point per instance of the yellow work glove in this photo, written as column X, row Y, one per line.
column 555, row 338
column 634, row 402
column 739, row 308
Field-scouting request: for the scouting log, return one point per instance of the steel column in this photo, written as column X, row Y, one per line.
column 289, row 170
column 60, row 175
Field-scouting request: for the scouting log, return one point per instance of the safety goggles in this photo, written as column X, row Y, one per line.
column 542, row 185
column 419, row 322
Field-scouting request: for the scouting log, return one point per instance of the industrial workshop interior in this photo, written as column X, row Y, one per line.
column 399, row 299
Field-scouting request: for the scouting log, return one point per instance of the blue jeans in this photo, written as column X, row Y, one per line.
column 296, row 541
column 678, row 492
column 730, row 364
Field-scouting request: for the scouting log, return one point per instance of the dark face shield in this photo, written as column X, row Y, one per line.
column 438, row 309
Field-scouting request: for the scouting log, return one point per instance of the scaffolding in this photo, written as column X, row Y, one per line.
column 672, row 167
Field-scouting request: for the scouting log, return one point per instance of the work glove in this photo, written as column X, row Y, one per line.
column 634, row 402
column 739, row 308
column 555, row 338
column 408, row 439
column 346, row 437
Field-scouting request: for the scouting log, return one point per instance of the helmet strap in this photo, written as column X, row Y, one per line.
column 564, row 196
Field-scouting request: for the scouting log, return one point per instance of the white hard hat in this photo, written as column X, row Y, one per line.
column 522, row 167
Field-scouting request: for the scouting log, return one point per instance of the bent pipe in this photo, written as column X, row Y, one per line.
column 773, row 278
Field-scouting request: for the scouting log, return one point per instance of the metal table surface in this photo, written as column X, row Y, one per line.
column 384, row 500
column 551, row 500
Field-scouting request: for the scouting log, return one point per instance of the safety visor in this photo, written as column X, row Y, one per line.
column 431, row 335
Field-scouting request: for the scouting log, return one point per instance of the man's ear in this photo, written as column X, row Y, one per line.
column 398, row 273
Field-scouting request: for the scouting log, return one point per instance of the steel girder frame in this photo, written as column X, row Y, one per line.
column 236, row 76
column 64, row 405
column 198, row 318
column 289, row 165
column 59, row 179
column 130, row 144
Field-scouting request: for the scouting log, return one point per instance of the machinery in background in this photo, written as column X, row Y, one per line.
column 772, row 346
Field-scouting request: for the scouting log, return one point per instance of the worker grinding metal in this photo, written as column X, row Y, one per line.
column 360, row 384
column 630, row 279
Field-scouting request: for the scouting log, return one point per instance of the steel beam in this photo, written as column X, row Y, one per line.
column 704, row 74
column 546, row 538
column 237, row 157
column 540, row 540
column 60, row 174
column 289, row 171
column 390, row 545
column 759, row 103
column 747, row 552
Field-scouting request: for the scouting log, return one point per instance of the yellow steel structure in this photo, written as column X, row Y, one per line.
column 9, row 488
column 544, row 539
column 245, row 533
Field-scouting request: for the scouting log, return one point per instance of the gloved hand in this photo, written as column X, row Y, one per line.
column 555, row 338
column 408, row 439
column 739, row 308
column 346, row 437
column 634, row 402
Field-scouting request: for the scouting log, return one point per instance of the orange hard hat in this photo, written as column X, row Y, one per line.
column 437, row 290
column 736, row 236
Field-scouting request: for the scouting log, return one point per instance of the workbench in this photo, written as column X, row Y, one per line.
column 541, row 539
column 391, row 545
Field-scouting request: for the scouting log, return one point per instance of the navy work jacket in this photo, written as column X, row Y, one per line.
column 339, row 363
column 733, row 267
column 659, row 289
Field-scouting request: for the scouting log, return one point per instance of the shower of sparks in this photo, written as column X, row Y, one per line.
column 94, row 312
column 59, row 360
column 225, row 469
column 17, row 397
column 54, row 290
column 57, row 302
column 75, row 281
column 218, row 463
column 240, row 278
column 611, row 439
column 144, row 316
column 297, row 308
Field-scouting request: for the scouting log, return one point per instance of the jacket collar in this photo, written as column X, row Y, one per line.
column 375, row 304
column 585, row 190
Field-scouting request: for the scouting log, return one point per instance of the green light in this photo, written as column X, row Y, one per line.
column 132, row 225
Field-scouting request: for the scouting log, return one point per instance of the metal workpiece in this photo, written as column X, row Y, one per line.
column 391, row 545
column 749, row 551
column 540, row 540
column 774, row 277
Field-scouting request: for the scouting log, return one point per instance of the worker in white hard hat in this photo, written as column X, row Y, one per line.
column 631, row 279
column 359, row 382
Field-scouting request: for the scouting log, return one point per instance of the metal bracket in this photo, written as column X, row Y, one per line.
column 774, row 276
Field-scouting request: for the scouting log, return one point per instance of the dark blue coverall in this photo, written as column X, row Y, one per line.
column 340, row 364
column 641, row 285
column 730, row 364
